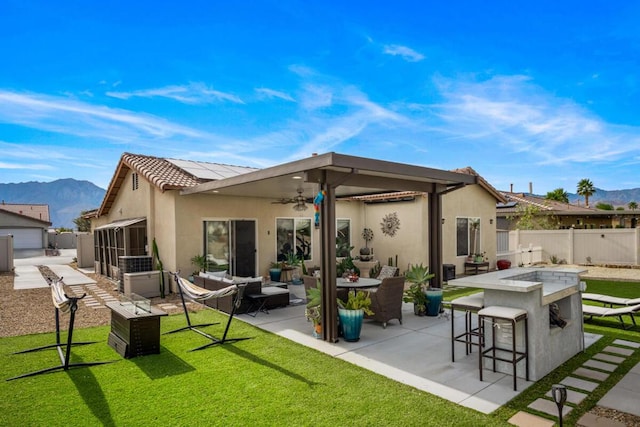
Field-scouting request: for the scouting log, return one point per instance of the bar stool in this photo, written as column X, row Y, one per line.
column 513, row 316
column 470, row 304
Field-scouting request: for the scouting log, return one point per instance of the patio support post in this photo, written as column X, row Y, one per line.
column 435, row 236
column 328, row 263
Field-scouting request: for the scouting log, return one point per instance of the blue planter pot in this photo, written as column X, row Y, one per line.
column 434, row 298
column 351, row 323
column 274, row 274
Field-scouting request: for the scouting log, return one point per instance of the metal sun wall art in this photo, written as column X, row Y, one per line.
column 390, row 224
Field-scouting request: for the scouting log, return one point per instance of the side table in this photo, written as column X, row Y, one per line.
column 475, row 267
column 134, row 334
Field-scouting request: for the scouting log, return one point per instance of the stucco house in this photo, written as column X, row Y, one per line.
column 242, row 218
column 27, row 223
column 564, row 215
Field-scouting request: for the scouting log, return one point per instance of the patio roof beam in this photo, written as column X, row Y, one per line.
column 380, row 183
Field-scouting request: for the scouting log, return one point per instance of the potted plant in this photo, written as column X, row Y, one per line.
column 200, row 261
column 420, row 277
column 294, row 262
column 313, row 310
column 416, row 294
column 351, row 314
column 275, row 271
column 366, row 252
column 346, row 266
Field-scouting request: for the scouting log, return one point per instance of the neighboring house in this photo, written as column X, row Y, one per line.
column 566, row 215
column 242, row 218
column 27, row 223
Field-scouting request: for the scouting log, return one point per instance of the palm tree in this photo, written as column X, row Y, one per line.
column 559, row 195
column 586, row 189
column 633, row 206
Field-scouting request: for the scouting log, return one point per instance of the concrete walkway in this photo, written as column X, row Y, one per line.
column 417, row 353
column 28, row 276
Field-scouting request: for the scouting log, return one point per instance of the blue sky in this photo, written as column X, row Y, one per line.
column 545, row 92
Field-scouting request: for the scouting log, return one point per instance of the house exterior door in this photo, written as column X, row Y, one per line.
column 244, row 248
column 231, row 245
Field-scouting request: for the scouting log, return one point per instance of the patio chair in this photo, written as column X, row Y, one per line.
column 66, row 304
column 199, row 294
column 592, row 310
column 387, row 271
column 386, row 300
column 609, row 300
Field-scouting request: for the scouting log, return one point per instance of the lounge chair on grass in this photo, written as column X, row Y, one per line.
column 199, row 294
column 609, row 300
column 66, row 304
column 593, row 310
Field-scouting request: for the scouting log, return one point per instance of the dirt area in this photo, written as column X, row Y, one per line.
column 30, row 311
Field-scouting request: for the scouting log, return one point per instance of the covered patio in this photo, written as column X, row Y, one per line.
column 340, row 176
column 416, row 353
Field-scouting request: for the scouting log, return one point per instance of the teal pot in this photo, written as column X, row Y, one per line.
column 350, row 323
column 434, row 297
column 274, row 274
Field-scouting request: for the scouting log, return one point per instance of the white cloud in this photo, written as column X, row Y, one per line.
column 270, row 93
column 193, row 93
column 316, row 96
column 72, row 117
column 405, row 52
column 32, row 166
column 522, row 117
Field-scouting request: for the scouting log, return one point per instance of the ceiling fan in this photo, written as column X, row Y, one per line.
column 300, row 202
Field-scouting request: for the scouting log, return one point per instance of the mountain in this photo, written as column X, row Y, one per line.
column 614, row 197
column 66, row 197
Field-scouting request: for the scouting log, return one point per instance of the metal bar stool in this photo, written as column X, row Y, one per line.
column 470, row 304
column 512, row 316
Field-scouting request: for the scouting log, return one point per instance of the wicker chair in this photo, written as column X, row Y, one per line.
column 386, row 301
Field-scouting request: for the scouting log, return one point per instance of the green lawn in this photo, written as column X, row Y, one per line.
column 267, row 380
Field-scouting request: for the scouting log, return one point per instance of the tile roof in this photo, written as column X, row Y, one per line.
column 396, row 195
column 541, row 203
column 482, row 182
column 165, row 174
column 160, row 172
column 39, row 212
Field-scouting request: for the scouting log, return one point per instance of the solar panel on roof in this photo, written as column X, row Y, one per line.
column 210, row 171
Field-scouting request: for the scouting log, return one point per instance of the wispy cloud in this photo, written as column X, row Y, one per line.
column 270, row 93
column 316, row 96
column 404, row 52
column 30, row 166
column 193, row 93
column 72, row 117
column 523, row 117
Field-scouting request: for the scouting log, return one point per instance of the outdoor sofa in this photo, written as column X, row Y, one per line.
column 277, row 296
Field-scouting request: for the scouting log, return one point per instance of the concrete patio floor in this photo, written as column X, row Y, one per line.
column 416, row 353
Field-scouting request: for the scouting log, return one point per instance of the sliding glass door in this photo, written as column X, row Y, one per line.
column 231, row 245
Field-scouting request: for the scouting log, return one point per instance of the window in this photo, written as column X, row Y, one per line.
column 343, row 237
column 467, row 236
column 216, row 245
column 293, row 235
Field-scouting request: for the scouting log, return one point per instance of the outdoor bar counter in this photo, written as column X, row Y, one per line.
column 534, row 289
